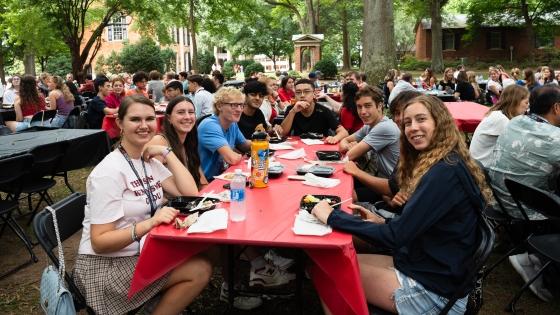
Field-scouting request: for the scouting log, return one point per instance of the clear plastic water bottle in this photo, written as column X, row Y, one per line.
column 237, row 209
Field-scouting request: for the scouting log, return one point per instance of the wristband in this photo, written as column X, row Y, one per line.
column 165, row 152
column 133, row 233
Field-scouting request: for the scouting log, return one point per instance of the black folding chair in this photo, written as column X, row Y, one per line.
column 73, row 119
column 548, row 245
column 88, row 151
column 201, row 118
column 43, row 117
column 11, row 171
column 69, row 215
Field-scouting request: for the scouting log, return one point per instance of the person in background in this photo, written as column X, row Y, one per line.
column 218, row 79
column 183, row 78
column 493, row 86
column 173, row 89
column 529, row 79
column 70, row 78
column 168, row 76
column 459, row 68
column 404, row 84
column 96, row 108
column 349, row 117
column 180, row 133
column 377, row 142
column 78, row 99
column 202, row 99
column 155, row 86
column 208, row 84
column 389, row 83
column 60, row 99
column 255, row 93
column 307, row 116
column 313, row 78
column 42, row 83
column 27, row 103
column 286, row 92
column 270, row 102
column 471, row 75
column 127, row 82
column 429, row 79
column 112, row 102
column 513, row 102
column 12, row 92
column 547, row 76
column 125, row 197
column 355, row 77
column 448, row 82
column 219, row 138
column 436, row 232
column 139, row 80
column 87, row 88
column 1, row 90
column 464, row 91
column 516, row 76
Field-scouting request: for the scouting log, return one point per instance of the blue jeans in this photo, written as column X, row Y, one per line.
column 413, row 298
column 22, row 125
column 58, row 121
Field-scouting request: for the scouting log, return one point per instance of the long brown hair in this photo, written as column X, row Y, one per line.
column 509, row 100
column 28, row 94
column 191, row 159
column 61, row 85
column 414, row 164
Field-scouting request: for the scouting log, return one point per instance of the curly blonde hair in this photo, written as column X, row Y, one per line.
column 414, row 164
column 60, row 85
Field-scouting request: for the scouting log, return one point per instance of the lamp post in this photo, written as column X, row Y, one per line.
column 359, row 53
column 511, row 53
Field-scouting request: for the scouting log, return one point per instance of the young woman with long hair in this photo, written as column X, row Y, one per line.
column 179, row 133
column 513, row 102
column 349, row 117
column 474, row 83
column 60, row 98
column 547, row 76
column 286, row 92
column 125, row 193
column 270, row 102
column 436, row 232
column 391, row 78
column 113, row 101
column 27, row 103
column 529, row 78
column 429, row 79
column 448, row 81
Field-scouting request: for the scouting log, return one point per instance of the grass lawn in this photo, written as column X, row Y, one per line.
column 19, row 293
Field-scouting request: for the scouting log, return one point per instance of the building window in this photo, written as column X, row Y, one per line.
column 116, row 30
column 448, row 41
column 544, row 41
column 495, row 40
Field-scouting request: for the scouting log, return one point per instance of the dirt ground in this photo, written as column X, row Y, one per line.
column 19, row 292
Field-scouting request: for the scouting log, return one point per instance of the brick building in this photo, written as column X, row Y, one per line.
column 490, row 43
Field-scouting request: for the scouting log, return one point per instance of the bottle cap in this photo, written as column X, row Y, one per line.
column 259, row 136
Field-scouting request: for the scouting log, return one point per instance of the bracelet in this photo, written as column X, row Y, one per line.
column 133, row 233
column 165, row 152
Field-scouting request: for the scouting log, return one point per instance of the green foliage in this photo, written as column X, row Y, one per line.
column 227, row 69
column 254, row 67
column 295, row 74
column 142, row 56
column 245, row 63
column 327, row 67
column 411, row 63
column 169, row 59
column 205, row 62
column 60, row 64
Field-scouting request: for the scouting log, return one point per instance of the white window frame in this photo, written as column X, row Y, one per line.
column 117, row 30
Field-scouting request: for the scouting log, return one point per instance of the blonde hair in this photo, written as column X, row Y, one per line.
column 223, row 95
column 472, row 79
column 61, row 85
column 515, row 72
column 510, row 98
column 414, row 164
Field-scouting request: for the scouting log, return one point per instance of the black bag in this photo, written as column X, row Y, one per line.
column 475, row 299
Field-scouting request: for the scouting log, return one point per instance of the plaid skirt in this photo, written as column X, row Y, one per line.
column 104, row 283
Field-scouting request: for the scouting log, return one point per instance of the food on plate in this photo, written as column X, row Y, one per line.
column 310, row 198
column 188, row 221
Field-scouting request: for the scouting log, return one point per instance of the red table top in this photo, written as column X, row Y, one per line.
column 270, row 216
column 467, row 115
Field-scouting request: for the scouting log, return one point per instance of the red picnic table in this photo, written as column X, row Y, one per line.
column 270, row 216
column 467, row 115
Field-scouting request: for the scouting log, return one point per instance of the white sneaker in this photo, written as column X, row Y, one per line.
column 241, row 302
column 523, row 265
column 269, row 276
column 281, row 262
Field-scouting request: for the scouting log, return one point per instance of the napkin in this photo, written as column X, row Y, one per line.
column 210, row 221
column 280, row 146
column 223, row 195
column 312, row 141
column 307, row 224
column 293, row 155
column 229, row 176
column 313, row 180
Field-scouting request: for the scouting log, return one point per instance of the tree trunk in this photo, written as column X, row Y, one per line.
column 378, row 40
column 345, row 40
column 29, row 63
column 192, row 26
column 310, row 17
column 290, row 62
column 529, row 28
column 437, row 52
column 2, row 73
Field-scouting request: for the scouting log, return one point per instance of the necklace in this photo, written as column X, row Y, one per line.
column 148, row 190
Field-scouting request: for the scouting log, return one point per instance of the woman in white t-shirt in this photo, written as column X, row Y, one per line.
column 514, row 102
column 493, row 86
column 124, row 193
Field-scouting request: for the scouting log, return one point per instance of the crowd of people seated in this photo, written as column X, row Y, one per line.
column 413, row 158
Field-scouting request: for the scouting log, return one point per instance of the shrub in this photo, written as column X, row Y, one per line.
column 60, row 64
column 411, row 63
column 227, row 70
column 294, row 74
column 205, row 61
column 252, row 68
column 142, row 56
column 327, row 67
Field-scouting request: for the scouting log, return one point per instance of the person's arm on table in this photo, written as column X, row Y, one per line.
column 341, row 133
column 347, row 143
column 230, row 157
column 358, row 150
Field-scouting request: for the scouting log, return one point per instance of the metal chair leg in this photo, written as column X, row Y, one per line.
column 511, row 306
column 14, row 226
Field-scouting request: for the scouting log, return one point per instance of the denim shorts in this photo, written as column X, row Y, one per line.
column 413, row 298
column 22, row 125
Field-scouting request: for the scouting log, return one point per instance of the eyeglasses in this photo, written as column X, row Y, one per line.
column 304, row 92
column 234, row 105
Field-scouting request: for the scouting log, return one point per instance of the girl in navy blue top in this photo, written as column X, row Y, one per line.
column 436, row 233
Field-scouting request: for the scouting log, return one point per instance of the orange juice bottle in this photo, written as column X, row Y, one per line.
column 259, row 160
